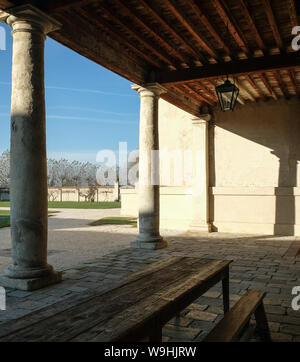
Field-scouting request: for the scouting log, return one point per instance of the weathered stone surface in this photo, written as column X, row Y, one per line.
column 28, row 172
column 30, row 284
column 148, row 188
column 199, row 315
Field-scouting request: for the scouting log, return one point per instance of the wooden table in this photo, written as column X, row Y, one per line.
column 133, row 309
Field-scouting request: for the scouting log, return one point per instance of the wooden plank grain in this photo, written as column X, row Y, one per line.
column 232, row 324
column 63, row 326
column 49, row 311
column 154, row 294
column 136, row 320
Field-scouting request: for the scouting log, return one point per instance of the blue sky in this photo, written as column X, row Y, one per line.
column 88, row 107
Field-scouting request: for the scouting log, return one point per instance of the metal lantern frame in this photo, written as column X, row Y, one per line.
column 227, row 103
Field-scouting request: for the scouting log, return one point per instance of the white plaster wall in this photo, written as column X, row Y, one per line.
column 254, row 174
column 254, row 168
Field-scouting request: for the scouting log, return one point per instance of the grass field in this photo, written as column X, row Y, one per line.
column 5, row 217
column 115, row 221
column 76, row 205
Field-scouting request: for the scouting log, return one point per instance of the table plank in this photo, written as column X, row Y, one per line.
column 161, row 306
column 142, row 296
column 49, row 311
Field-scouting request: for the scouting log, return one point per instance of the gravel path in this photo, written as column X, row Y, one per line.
column 72, row 241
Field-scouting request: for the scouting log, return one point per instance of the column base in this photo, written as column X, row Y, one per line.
column 200, row 227
column 153, row 245
column 30, row 284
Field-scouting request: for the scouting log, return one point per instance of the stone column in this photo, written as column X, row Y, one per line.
column 28, row 183
column 201, row 174
column 148, row 186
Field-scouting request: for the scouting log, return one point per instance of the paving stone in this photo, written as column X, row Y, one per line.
column 215, row 309
column 77, row 289
column 274, row 326
column 196, row 306
column 180, row 321
column 284, row 319
column 19, row 294
column 180, row 332
column 272, row 309
column 199, row 315
column 202, row 325
column 209, row 301
column 212, row 294
column 290, row 329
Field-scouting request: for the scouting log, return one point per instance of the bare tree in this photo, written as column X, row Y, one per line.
column 4, row 169
column 52, row 195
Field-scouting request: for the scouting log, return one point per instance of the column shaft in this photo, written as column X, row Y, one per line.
column 28, row 165
column 201, row 175
column 148, row 187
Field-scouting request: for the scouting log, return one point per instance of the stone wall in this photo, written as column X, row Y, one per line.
column 254, row 169
column 79, row 194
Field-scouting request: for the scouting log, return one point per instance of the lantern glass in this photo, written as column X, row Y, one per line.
column 227, row 95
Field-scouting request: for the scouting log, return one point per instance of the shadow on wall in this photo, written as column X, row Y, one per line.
column 274, row 125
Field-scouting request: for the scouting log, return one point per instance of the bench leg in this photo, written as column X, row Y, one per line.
column 262, row 326
column 225, row 287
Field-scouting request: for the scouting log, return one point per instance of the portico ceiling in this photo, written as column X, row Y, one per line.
column 186, row 45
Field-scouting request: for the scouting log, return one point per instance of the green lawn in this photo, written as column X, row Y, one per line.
column 5, row 217
column 115, row 221
column 4, row 221
column 76, row 205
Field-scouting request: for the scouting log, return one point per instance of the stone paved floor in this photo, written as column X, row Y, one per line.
column 267, row 263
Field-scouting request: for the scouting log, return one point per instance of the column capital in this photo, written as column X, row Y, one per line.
column 19, row 17
column 202, row 119
column 149, row 89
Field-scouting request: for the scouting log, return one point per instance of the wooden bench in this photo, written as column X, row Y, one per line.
column 234, row 322
column 129, row 310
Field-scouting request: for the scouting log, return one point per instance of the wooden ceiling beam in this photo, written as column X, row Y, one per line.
column 294, row 82
column 245, row 90
column 191, row 90
column 206, row 90
column 280, row 83
column 204, row 20
column 293, row 12
column 59, row 5
column 252, row 25
column 105, row 26
column 142, row 23
column 134, row 35
column 272, row 22
column 267, row 85
column 171, row 31
column 190, row 27
column 188, row 94
column 98, row 47
column 236, row 67
column 232, row 26
column 255, row 87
